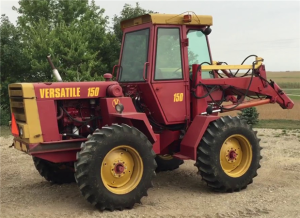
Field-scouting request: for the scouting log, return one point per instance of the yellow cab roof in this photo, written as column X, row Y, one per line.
column 168, row 19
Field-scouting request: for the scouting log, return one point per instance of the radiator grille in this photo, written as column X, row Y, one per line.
column 17, row 103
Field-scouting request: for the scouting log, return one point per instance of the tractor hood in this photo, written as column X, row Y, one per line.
column 71, row 90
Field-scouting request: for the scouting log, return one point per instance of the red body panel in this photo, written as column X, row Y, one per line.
column 47, row 115
column 193, row 136
column 71, row 90
column 156, row 145
column 59, row 156
column 138, row 120
column 174, row 111
column 151, row 100
column 108, row 108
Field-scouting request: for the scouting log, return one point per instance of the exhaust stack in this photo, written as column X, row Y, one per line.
column 54, row 70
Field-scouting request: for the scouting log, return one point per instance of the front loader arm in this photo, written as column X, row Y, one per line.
column 228, row 87
column 209, row 94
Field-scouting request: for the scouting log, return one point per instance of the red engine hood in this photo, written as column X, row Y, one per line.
column 71, row 90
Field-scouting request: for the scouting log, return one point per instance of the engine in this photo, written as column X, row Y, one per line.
column 78, row 118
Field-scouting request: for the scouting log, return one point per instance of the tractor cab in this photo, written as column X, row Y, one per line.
column 155, row 62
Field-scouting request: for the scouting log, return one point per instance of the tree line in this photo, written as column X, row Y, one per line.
column 81, row 40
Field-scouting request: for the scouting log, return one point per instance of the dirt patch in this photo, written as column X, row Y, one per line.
column 180, row 193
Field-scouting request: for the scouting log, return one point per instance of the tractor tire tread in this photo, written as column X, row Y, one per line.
column 52, row 173
column 102, row 199
column 206, row 155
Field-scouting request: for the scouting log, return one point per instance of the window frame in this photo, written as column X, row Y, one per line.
column 188, row 28
column 131, row 30
column 181, row 54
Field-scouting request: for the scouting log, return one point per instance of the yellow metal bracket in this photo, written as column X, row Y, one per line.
column 259, row 61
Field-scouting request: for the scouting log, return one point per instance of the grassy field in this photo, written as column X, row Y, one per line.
column 274, row 111
column 294, row 94
column 286, row 80
column 279, row 124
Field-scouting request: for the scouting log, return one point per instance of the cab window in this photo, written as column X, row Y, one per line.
column 134, row 56
column 198, row 50
column 168, row 64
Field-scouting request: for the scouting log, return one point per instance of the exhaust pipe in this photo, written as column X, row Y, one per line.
column 54, row 70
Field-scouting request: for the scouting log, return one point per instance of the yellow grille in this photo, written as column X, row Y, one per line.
column 17, row 103
column 23, row 105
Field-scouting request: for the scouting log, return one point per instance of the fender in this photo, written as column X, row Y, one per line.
column 191, row 140
column 138, row 120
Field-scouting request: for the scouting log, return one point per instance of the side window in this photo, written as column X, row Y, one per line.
column 134, row 56
column 198, row 50
column 168, row 54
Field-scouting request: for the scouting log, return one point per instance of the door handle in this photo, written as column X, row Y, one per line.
column 144, row 71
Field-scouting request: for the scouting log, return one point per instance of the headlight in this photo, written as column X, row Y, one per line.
column 119, row 108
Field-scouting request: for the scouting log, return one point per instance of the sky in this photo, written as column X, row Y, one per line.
column 268, row 29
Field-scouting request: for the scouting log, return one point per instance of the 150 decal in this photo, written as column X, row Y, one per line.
column 178, row 97
column 93, row 91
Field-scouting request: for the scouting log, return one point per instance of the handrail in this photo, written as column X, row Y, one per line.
column 233, row 67
column 144, row 70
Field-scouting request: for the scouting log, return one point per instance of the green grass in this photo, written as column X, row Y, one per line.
column 292, row 91
column 278, row 124
column 289, row 85
column 294, row 98
column 4, row 131
column 294, row 94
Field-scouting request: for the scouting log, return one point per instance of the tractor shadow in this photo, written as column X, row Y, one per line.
column 184, row 178
column 67, row 196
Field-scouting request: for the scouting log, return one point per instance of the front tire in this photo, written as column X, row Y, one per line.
column 115, row 167
column 228, row 155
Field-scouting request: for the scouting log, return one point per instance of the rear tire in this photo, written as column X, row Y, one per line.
column 228, row 155
column 52, row 172
column 115, row 167
column 167, row 163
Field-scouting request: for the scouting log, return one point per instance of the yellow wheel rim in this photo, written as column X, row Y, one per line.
column 166, row 157
column 236, row 155
column 122, row 169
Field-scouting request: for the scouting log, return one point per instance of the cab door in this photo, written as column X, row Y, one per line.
column 169, row 82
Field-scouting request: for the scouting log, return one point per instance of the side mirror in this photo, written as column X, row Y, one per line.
column 207, row 31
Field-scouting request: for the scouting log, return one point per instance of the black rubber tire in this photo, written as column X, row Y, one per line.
column 167, row 165
column 52, row 172
column 89, row 162
column 208, row 154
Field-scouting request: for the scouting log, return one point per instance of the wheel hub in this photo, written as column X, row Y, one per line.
column 232, row 155
column 119, row 168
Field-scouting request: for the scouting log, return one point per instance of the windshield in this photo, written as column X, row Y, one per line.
column 198, row 50
column 134, row 56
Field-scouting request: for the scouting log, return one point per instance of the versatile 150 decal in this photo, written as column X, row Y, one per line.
column 67, row 92
column 178, row 97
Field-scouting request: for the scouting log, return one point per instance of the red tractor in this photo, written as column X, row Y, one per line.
column 111, row 137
